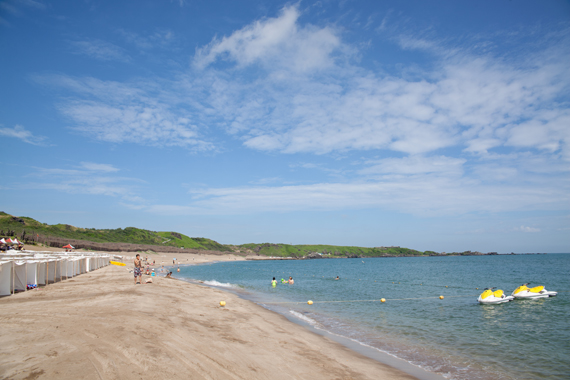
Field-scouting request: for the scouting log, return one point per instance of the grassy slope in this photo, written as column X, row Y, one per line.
column 139, row 236
column 127, row 235
column 286, row 250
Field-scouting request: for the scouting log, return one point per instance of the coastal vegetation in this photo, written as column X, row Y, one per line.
column 324, row 251
column 32, row 231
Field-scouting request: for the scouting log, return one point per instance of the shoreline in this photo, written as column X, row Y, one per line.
column 100, row 325
column 354, row 345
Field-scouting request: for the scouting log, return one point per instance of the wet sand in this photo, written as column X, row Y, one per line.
column 99, row 325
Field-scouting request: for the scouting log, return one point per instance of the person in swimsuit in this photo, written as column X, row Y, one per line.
column 138, row 269
column 273, row 282
column 291, row 280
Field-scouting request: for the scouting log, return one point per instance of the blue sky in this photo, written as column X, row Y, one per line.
column 431, row 125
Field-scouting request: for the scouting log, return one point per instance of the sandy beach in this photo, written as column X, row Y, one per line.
column 100, row 325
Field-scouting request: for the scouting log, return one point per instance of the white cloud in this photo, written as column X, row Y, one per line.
column 132, row 123
column 143, row 113
column 526, row 229
column 88, row 178
column 423, row 195
column 475, row 101
column 99, row 167
column 23, row 134
column 474, row 133
column 160, row 38
column 101, row 50
column 279, row 43
column 416, row 165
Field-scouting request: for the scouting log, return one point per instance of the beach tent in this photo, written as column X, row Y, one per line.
column 2, row 241
column 51, row 272
column 69, row 246
column 6, row 278
column 20, row 274
column 93, row 263
column 32, row 273
column 80, row 265
column 8, row 241
column 58, row 270
column 71, row 263
column 15, row 241
column 42, row 272
column 63, row 268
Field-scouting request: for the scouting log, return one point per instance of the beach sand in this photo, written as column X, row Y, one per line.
column 99, row 325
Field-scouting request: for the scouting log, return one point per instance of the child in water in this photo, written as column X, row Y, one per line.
column 273, row 282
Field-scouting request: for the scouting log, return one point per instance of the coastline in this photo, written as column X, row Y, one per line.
column 354, row 345
column 101, row 325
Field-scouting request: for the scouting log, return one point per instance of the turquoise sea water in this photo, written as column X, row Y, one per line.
column 455, row 337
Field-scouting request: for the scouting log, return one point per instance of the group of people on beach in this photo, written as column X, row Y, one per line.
column 139, row 268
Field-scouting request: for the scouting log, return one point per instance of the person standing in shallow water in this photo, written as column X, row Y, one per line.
column 273, row 282
column 291, row 280
column 138, row 269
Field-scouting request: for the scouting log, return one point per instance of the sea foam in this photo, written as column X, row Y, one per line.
column 302, row 317
column 219, row 284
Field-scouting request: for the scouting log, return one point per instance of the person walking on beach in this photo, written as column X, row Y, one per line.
column 138, row 269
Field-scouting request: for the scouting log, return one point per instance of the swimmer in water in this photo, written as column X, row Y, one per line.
column 337, row 278
column 273, row 282
column 291, row 280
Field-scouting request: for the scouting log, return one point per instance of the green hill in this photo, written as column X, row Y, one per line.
column 286, row 250
column 10, row 225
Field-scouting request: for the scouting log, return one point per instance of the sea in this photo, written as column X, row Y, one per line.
column 454, row 337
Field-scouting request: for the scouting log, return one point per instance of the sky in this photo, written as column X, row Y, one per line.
column 438, row 126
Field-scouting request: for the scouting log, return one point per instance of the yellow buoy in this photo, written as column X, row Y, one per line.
column 309, row 302
column 383, row 300
column 446, row 286
column 222, row 303
column 440, row 297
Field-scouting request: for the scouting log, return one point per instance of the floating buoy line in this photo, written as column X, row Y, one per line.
column 382, row 300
